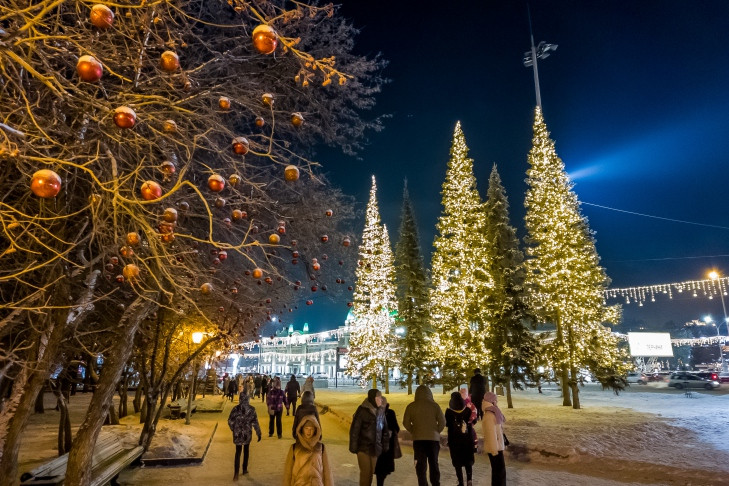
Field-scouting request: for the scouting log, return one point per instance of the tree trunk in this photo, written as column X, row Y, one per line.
column 38, row 408
column 509, row 402
column 564, row 382
column 137, row 402
column 374, row 381
column 387, row 380
column 64, row 425
column 123, row 395
column 410, row 383
column 575, row 389
column 143, row 411
column 112, row 418
column 150, row 424
column 78, row 471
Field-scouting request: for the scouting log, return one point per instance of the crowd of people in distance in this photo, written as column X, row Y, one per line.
column 373, row 435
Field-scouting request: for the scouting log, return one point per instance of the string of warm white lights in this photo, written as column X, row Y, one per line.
column 294, row 340
column 702, row 341
column 708, row 288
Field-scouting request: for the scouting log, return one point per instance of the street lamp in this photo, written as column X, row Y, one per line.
column 714, row 275
column 709, row 320
column 197, row 338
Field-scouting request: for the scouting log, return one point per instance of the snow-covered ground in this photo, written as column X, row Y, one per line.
column 648, row 435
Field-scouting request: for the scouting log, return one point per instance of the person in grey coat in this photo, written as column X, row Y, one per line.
column 241, row 420
column 424, row 420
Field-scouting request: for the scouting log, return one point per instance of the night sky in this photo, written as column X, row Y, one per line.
column 635, row 97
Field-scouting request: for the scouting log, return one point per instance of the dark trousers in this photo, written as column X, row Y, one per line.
column 498, row 469
column 291, row 402
column 426, row 455
column 477, row 402
column 263, row 394
column 277, row 418
column 459, row 474
column 245, row 457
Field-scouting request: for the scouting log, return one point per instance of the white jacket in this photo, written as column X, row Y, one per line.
column 493, row 434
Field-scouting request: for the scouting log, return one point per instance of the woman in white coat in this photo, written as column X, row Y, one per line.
column 493, row 438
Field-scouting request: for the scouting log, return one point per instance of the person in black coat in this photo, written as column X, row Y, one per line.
column 478, row 388
column 386, row 462
column 369, row 435
column 293, row 390
column 460, row 438
column 307, row 407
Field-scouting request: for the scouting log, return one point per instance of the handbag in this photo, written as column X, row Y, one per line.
column 396, row 451
column 271, row 410
column 506, row 441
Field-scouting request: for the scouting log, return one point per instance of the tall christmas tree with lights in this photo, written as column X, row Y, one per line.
column 459, row 271
column 564, row 275
column 371, row 342
column 412, row 295
column 510, row 343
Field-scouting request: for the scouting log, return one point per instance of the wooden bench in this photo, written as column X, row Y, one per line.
column 108, row 460
column 178, row 408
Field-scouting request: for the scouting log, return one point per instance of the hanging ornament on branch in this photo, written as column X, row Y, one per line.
column 265, row 39
column 45, row 184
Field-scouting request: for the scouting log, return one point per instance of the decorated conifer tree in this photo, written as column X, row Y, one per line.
column 564, row 277
column 459, row 271
column 508, row 340
column 412, row 295
column 371, row 341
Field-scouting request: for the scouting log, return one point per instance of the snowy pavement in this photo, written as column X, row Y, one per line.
column 645, row 436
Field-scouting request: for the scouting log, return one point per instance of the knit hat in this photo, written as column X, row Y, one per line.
column 456, row 402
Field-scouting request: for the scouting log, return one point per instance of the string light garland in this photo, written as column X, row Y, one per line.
column 708, row 288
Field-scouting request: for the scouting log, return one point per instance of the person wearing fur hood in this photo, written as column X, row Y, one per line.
column 493, row 438
column 307, row 463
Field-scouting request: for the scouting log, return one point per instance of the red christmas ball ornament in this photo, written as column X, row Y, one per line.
column 268, row 280
column 234, row 180
column 316, row 267
column 114, row 260
column 45, row 183
column 240, row 145
column 349, row 304
column 297, row 119
column 126, row 251
column 222, row 255
column 170, row 215
column 329, row 213
column 89, row 69
column 295, row 254
column 124, row 117
column 120, row 278
column 216, row 183
column 254, row 229
column 257, row 273
column 349, row 287
column 341, row 262
column 101, row 16
column 291, row 173
column 313, row 288
column 224, row 103
column 274, row 239
column 294, row 261
column 346, row 242
column 260, row 121
column 130, row 271
column 298, row 282
column 206, row 288
column 264, row 39
column 167, row 237
column 167, row 168
column 339, row 280
column 169, row 61
column 150, row 191
column 133, row 238
column 309, row 302
column 227, row 222
column 234, row 291
column 282, row 230
column 324, row 238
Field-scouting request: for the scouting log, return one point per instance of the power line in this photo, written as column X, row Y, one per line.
column 656, row 217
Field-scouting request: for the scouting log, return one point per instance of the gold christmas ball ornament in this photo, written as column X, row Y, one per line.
column 234, row 179
column 324, row 238
column 224, row 103
column 150, row 191
column 124, row 117
column 346, row 242
column 167, row 168
column 274, row 239
column 169, row 61
column 89, row 69
column 220, row 202
column 291, row 173
column 297, row 119
column 126, row 251
column 216, row 183
column 265, row 39
column 45, row 183
column 101, row 16
column 329, row 213
column 169, row 126
column 170, row 215
column 133, row 238
column 238, row 215
column 257, row 273
column 267, row 99
column 260, row 121
column 240, row 145
column 206, row 288
column 130, row 272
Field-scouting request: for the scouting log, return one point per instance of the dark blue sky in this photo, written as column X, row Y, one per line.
column 635, row 97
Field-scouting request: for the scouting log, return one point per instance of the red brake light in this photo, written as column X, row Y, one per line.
column 714, row 376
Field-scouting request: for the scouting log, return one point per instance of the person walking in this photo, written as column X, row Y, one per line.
column 257, row 383
column 424, row 420
column 474, row 414
column 309, row 386
column 479, row 387
column 265, row 383
column 307, row 407
column 293, row 390
column 232, row 388
column 369, row 435
column 386, row 462
column 226, row 381
column 493, row 438
column 307, row 463
column 275, row 402
column 460, row 438
column 241, row 420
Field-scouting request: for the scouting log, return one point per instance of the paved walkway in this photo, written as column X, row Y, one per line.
column 268, row 456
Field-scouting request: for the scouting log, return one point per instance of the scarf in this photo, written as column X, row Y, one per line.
column 490, row 397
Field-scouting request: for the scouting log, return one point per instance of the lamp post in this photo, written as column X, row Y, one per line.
column 197, row 338
column 709, row 320
column 714, row 275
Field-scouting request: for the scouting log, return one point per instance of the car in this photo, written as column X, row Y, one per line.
column 708, row 375
column 723, row 377
column 682, row 380
column 320, row 376
column 637, row 377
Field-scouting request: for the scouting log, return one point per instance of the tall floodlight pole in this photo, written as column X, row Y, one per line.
column 539, row 52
